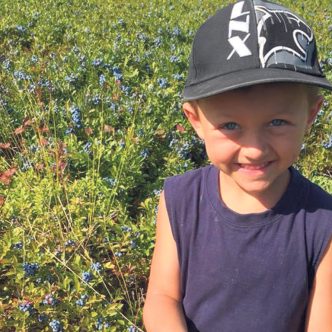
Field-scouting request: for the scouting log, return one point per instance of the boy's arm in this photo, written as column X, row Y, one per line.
column 163, row 309
column 319, row 315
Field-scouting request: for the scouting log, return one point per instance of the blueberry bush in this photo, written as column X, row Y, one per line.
column 91, row 125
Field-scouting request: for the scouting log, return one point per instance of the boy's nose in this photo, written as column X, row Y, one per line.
column 254, row 147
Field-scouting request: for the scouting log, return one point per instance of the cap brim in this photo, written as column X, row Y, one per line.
column 249, row 77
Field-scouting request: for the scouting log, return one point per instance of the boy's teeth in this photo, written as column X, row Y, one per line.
column 253, row 167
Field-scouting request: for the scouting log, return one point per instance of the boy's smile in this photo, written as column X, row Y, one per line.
column 253, row 136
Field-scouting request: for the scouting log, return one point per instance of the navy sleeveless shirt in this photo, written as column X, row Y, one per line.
column 246, row 272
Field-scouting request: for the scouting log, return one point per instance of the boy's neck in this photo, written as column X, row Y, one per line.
column 242, row 202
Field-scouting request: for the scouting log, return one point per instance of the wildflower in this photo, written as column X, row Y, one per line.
column 87, row 147
column 125, row 89
column 178, row 77
column 132, row 328
column 18, row 245
column 70, row 243
column 158, row 41
column 121, row 22
column 174, row 59
column 145, row 153
column 81, row 302
column 50, row 300
column 34, row 59
column 76, row 115
column 162, row 82
column 126, row 229
column 328, row 144
column 117, row 73
column 6, row 64
column 176, row 31
column 69, row 131
column 96, row 267
column 44, row 83
column 26, row 306
column 21, row 28
column 110, row 181
column 97, row 62
column 133, row 244
column 32, row 87
column 30, row 268
column 72, row 78
column 87, row 276
column 102, row 79
column 42, row 318
column 21, row 76
column 96, row 100
column 55, row 325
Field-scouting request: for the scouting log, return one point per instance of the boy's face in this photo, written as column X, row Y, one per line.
column 254, row 135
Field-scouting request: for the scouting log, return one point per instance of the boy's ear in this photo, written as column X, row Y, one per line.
column 191, row 112
column 313, row 110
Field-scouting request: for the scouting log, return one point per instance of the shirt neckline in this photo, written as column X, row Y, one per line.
column 287, row 204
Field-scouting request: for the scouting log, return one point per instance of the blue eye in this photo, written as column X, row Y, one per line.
column 278, row 122
column 229, row 126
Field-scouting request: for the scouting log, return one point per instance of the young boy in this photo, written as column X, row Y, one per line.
column 244, row 245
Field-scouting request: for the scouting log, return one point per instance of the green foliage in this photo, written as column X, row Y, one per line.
column 90, row 103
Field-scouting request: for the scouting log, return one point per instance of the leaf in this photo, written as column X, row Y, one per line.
column 180, row 128
column 4, row 146
column 19, row 130
column 7, row 175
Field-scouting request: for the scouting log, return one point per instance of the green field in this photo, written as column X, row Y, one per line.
column 91, row 125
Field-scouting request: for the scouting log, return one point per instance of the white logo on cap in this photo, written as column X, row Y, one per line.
column 296, row 29
column 237, row 43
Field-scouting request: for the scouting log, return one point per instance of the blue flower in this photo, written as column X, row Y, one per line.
column 87, row 147
column 70, row 243
column 96, row 267
column 125, row 89
column 328, row 144
column 117, row 73
column 81, row 302
column 6, row 64
column 126, row 229
column 87, row 276
column 55, row 325
column 42, row 318
column 176, row 31
column 30, row 269
column 72, row 78
column 44, row 83
column 145, row 153
column 97, row 62
column 50, row 300
column 21, row 28
column 20, row 75
column 18, row 245
column 174, row 59
column 158, row 41
column 178, row 77
column 34, row 59
column 102, row 79
column 163, row 83
column 121, row 22
column 96, row 100
column 26, row 306
column 75, row 115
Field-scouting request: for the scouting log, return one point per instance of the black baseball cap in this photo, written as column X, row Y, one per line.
column 252, row 42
